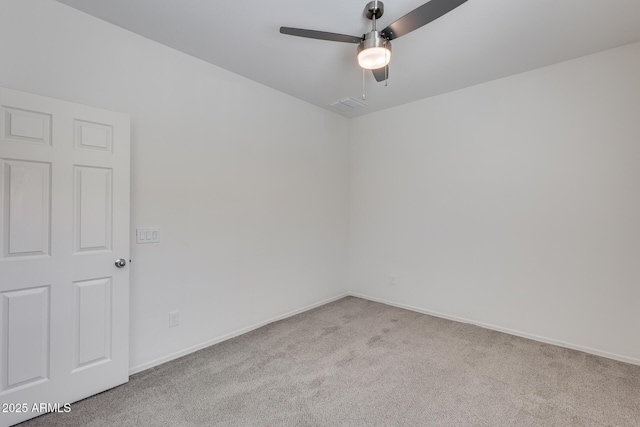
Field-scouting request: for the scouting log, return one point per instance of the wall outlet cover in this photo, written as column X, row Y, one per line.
column 174, row 319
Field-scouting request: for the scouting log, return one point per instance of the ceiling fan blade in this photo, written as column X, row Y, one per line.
column 418, row 17
column 320, row 35
column 381, row 74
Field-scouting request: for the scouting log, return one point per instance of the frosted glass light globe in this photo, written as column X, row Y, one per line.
column 374, row 58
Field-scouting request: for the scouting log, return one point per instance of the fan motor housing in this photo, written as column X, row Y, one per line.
column 373, row 39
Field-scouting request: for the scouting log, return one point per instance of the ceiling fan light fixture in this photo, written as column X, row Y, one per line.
column 374, row 51
column 374, row 58
column 374, row 47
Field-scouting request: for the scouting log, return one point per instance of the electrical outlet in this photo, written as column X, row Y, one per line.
column 174, row 319
column 392, row 280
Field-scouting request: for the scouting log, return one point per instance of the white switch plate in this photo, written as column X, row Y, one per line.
column 148, row 235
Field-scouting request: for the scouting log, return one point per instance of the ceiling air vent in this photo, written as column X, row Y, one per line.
column 347, row 104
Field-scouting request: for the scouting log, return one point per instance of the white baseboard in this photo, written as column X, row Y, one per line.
column 177, row 354
column 614, row 356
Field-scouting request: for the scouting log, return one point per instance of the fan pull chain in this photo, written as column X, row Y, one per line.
column 363, row 96
column 386, row 68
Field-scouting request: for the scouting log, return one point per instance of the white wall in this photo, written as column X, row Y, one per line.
column 248, row 185
column 515, row 203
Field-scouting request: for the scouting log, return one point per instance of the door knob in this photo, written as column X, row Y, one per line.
column 120, row 263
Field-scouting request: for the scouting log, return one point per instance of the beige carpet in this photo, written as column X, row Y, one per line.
column 359, row 363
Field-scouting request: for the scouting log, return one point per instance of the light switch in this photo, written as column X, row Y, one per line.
column 148, row 235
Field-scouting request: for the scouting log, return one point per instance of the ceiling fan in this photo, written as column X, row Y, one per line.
column 374, row 47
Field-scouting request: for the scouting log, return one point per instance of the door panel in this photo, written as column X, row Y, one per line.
column 28, row 126
column 25, row 337
column 92, row 300
column 64, row 213
column 93, row 201
column 93, row 136
column 26, row 201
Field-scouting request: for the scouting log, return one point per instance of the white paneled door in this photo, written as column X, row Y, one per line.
column 64, row 218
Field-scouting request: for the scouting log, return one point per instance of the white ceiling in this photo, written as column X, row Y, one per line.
column 479, row 41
